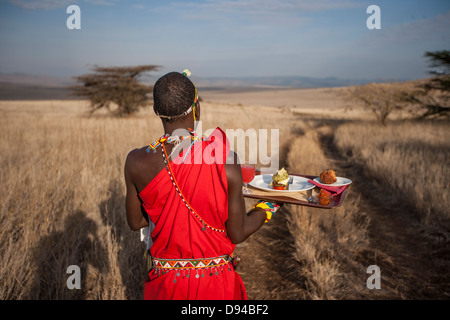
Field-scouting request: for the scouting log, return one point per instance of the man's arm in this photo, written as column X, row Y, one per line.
column 240, row 225
column 135, row 217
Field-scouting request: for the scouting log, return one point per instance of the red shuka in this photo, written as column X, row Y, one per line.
column 178, row 233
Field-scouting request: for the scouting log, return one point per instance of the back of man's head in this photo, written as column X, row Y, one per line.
column 173, row 94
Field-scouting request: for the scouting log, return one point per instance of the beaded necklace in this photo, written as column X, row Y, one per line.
column 175, row 139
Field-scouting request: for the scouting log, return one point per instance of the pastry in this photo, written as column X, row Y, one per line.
column 324, row 198
column 328, row 176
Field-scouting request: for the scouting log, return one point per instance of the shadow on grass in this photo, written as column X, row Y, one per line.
column 77, row 244
column 130, row 249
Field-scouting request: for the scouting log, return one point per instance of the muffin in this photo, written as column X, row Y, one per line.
column 328, row 176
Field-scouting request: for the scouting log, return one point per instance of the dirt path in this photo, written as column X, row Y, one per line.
column 413, row 266
column 268, row 268
column 410, row 262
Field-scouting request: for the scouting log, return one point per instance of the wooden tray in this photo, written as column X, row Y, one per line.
column 300, row 198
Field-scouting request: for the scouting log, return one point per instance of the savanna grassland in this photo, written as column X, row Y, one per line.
column 63, row 202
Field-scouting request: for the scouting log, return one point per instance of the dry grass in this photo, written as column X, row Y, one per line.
column 63, row 196
column 63, row 199
column 63, row 202
column 408, row 158
column 326, row 242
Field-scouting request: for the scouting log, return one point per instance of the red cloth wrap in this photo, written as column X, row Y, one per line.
column 177, row 233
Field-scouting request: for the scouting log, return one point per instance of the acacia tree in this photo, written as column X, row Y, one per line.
column 115, row 85
column 381, row 98
column 434, row 96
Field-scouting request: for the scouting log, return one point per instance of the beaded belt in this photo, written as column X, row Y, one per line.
column 190, row 263
column 201, row 266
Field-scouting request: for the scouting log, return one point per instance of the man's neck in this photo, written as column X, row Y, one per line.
column 170, row 127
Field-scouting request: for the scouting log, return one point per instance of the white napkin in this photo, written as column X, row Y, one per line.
column 146, row 235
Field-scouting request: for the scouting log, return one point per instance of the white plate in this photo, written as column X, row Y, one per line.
column 263, row 182
column 339, row 183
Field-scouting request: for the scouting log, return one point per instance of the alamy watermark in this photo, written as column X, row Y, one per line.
column 374, row 21
column 73, row 281
column 374, row 281
column 251, row 145
column 74, row 20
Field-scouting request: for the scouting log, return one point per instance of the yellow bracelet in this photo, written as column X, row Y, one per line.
column 266, row 208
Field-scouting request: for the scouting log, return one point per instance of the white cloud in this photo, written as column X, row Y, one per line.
column 55, row 4
column 266, row 6
column 102, row 2
column 262, row 10
column 433, row 31
column 42, row 4
column 138, row 6
column 393, row 52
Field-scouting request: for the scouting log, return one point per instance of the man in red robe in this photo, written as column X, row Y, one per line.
column 194, row 199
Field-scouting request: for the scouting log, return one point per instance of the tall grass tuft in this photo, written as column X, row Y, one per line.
column 326, row 241
column 408, row 159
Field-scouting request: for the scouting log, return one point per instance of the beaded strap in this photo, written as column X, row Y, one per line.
column 174, row 182
column 172, row 139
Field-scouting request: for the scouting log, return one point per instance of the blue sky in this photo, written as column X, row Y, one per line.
column 225, row 38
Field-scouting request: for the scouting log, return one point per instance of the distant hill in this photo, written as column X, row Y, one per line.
column 281, row 82
column 13, row 91
column 19, row 86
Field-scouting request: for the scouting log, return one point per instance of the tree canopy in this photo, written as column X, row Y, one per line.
column 115, row 85
column 436, row 95
column 381, row 98
column 425, row 99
